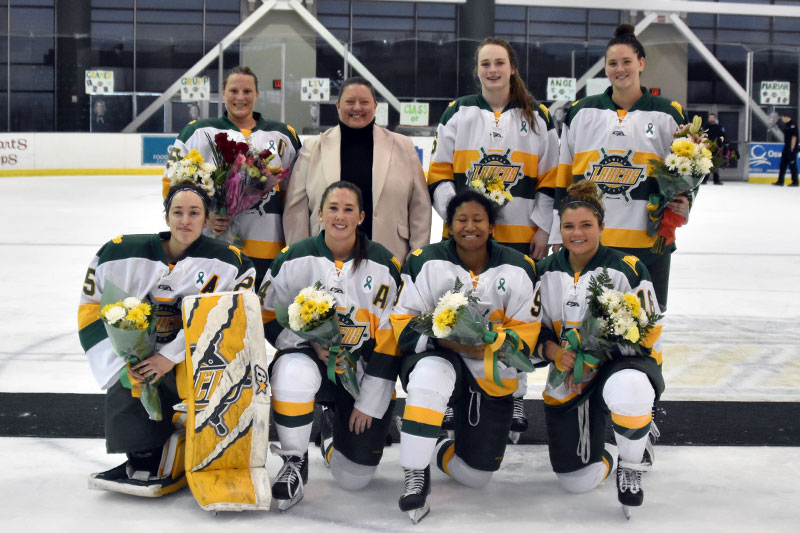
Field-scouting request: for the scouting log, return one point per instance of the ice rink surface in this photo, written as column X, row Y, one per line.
column 732, row 334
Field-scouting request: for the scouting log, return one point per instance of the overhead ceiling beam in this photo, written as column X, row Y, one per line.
column 667, row 6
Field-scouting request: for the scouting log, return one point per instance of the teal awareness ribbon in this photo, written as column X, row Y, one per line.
column 368, row 283
column 574, row 342
column 650, row 128
column 200, row 277
column 501, row 286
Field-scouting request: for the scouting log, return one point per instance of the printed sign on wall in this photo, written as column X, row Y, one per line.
column 414, row 114
column 99, row 81
column 561, row 88
column 774, row 92
column 315, row 89
column 195, row 89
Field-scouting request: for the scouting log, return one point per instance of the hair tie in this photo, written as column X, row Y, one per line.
column 180, row 189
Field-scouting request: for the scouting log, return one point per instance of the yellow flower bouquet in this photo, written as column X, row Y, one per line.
column 132, row 331
column 313, row 317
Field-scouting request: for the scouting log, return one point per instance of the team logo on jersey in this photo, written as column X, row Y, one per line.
column 168, row 321
column 615, row 175
column 353, row 333
column 495, row 164
column 209, row 372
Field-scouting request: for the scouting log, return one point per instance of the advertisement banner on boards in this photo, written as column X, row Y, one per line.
column 765, row 158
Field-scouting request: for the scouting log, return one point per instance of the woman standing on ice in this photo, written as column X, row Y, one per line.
column 161, row 269
column 623, row 385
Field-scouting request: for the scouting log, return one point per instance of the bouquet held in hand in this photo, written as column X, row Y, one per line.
column 692, row 157
column 489, row 181
column 616, row 323
column 312, row 316
column 456, row 319
column 243, row 174
column 132, row 332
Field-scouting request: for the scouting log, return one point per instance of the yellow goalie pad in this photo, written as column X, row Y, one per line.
column 224, row 385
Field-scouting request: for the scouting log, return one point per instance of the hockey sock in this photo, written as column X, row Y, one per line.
column 629, row 396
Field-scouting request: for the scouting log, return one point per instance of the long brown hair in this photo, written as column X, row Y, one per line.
column 518, row 92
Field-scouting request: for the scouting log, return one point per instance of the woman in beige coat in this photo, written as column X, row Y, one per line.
column 383, row 164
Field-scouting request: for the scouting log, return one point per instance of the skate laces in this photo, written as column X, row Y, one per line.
column 519, row 409
column 584, row 441
column 414, row 481
column 292, row 463
column 629, row 476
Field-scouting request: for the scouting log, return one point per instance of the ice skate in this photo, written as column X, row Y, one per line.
column 414, row 500
column 288, row 487
column 519, row 424
column 629, row 485
column 326, row 435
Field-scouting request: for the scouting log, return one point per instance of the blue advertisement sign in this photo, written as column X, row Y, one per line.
column 765, row 158
column 154, row 149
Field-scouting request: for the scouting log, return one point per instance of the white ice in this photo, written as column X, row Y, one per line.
column 732, row 333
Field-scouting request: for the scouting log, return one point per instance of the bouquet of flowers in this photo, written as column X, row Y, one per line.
column 692, row 156
column 242, row 174
column 492, row 187
column 132, row 332
column 192, row 168
column 455, row 318
column 615, row 323
column 312, row 316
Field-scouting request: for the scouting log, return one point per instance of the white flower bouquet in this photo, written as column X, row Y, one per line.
column 692, row 157
column 192, row 168
column 455, row 318
column 312, row 316
column 132, row 332
column 616, row 323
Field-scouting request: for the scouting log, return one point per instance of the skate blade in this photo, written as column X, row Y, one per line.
column 513, row 436
column 626, row 511
column 285, row 505
column 418, row 514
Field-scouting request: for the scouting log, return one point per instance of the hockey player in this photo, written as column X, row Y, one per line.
column 625, row 387
column 163, row 268
column 363, row 277
column 260, row 227
column 501, row 131
column 432, row 370
column 609, row 138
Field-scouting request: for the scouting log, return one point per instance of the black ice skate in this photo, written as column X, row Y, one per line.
column 519, row 424
column 326, row 435
column 449, row 421
column 414, row 500
column 629, row 485
column 287, row 489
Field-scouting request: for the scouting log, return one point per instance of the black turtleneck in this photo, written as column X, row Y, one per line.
column 356, row 165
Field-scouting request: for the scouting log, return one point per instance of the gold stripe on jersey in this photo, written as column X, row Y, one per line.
column 552, row 400
column 580, row 163
column 439, row 171
column 386, row 342
column 423, row 415
column 292, row 408
column 652, row 336
column 530, row 162
column 399, row 323
column 507, row 233
column 463, row 159
column 631, row 422
column 626, row 238
column 262, row 249
column 493, row 389
column 88, row 313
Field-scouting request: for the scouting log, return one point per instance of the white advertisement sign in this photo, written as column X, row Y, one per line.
column 315, row 89
column 561, row 88
column 16, row 151
column 414, row 114
column 99, row 81
column 195, row 89
column 774, row 93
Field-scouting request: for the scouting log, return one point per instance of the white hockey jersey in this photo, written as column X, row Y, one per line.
column 364, row 299
column 563, row 296
column 471, row 138
column 260, row 226
column 137, row 264
column 505, row 290
column 613, row 148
